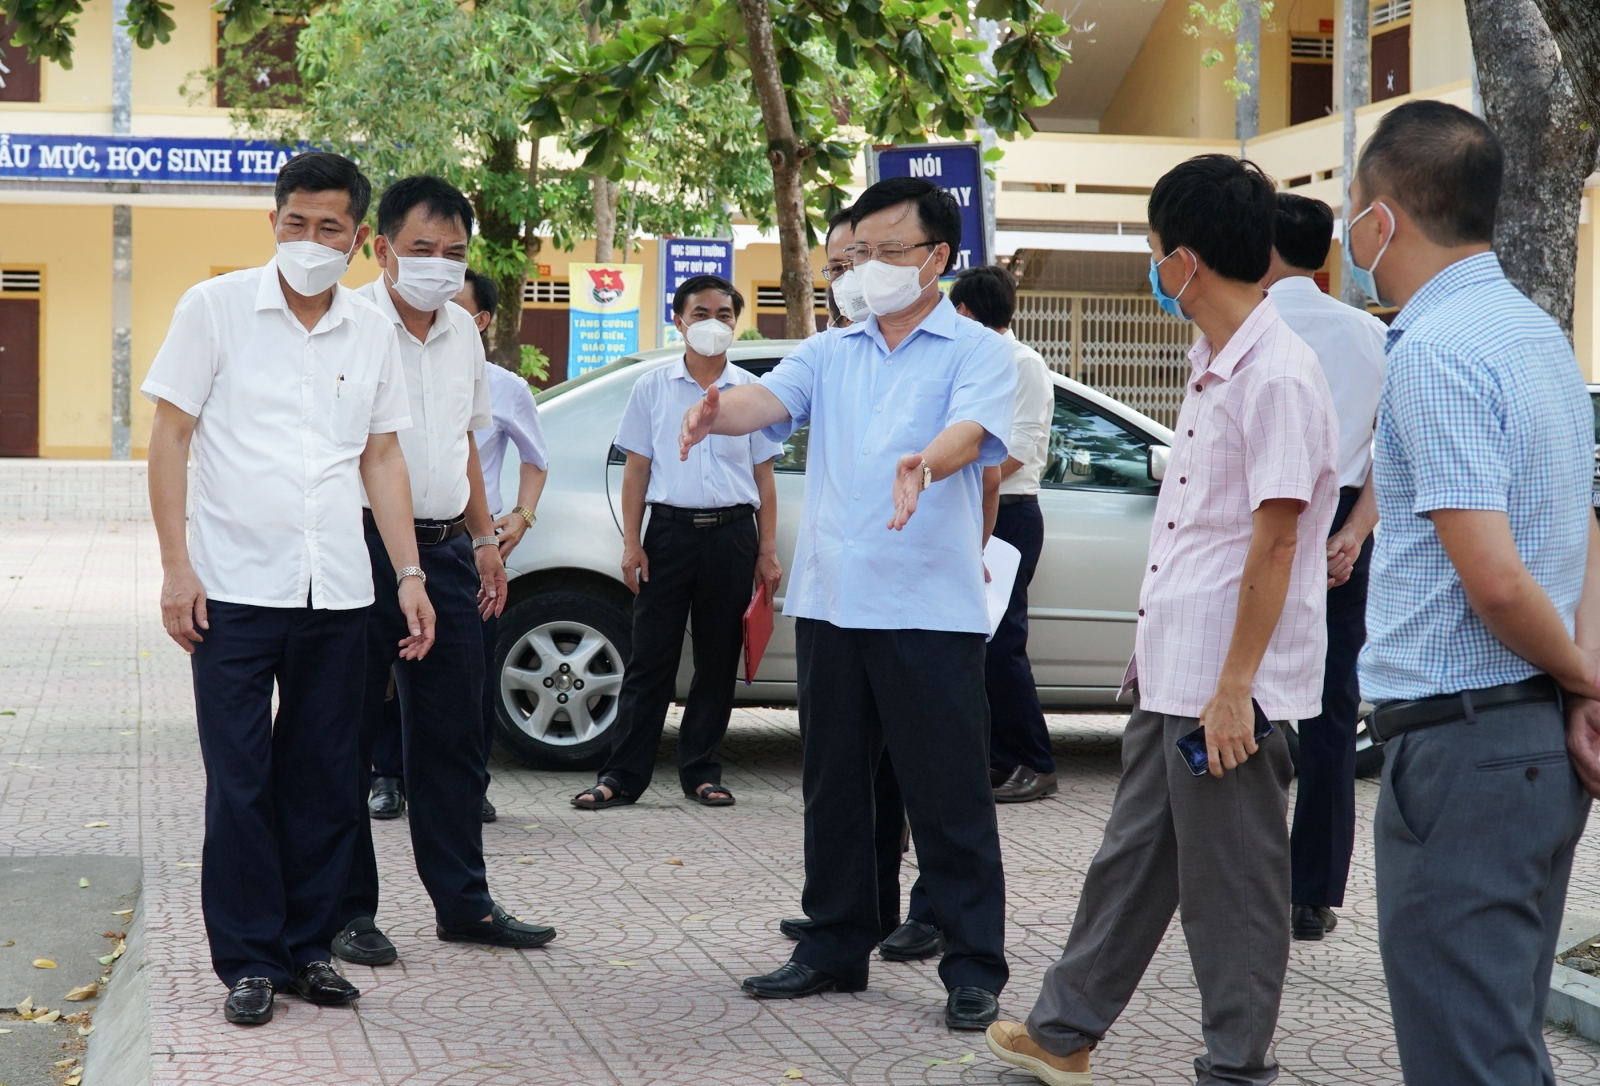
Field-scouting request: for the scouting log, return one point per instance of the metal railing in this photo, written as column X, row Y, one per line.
column 1122, row 345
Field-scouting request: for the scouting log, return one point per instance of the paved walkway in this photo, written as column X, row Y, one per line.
column 642, row 985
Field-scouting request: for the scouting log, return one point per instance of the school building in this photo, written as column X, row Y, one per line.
column 1070, row 202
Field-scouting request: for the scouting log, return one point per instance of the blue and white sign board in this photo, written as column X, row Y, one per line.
column 26, row 156
column 683, row 259
column 958, row 169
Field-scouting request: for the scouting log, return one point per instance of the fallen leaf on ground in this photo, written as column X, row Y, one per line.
column 121, row 949
column 47, row 1018
column 74, row 1080
column 107, row 959
column 615, row 961
column 43, row 963
column 5, row 1031
column 934, row 1063
column 98, row 663
column 674, row 862
column 26, row 1006
column 531, row 826
column 81, row 993
column 968, row 1058
column 8, row 712
column 121, row 912
column 184, row 863
column 9, row 942
column 127, row 733
column 697, row 918
column 95, row 825
column 793, row 1072
column 84, row 1031
column 144, row 654
column 524, row 859
column 83, row 884
column 67, row 1063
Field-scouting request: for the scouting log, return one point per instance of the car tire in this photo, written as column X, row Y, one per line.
column 559, row 661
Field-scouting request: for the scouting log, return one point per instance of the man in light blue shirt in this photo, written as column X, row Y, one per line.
column 1484, row 605
column 887, row 585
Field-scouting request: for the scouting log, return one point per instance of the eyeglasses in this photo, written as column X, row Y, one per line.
column 890, row 251
column 834, row 269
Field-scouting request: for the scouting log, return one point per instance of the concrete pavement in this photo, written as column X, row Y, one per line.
column 642, row 985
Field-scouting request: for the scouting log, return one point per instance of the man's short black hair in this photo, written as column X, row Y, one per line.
column 1303, row 231
column 990, row 294
column 438, row 198
column 937, row 210
column 840, row 218
column 324, row 171
column 696, row 283
column 1440, row 163
column 484, row 292
column 1221, row 208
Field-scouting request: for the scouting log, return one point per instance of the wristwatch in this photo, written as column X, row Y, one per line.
column 484, row 541
column 410, row 571
column 526, row 514
column 927, row 475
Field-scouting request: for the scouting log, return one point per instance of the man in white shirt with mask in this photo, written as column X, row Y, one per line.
column 713, row 532
column 424, row 225
column 288, row 389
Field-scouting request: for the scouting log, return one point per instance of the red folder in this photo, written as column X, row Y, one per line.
column 757, row 631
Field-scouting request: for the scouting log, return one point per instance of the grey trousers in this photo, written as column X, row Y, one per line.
column 1218, row 850
column 1474, row 833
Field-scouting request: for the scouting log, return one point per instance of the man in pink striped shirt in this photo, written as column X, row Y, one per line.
column 1231, row 639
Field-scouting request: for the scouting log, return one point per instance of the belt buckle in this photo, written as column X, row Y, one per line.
column 706, row 520
column 434, row 535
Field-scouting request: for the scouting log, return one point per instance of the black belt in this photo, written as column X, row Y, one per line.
column 704, row 518
column 1018, row 499
column 430, row 533
column 1391, row 718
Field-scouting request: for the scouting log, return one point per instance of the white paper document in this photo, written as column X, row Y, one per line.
column 1001, row 559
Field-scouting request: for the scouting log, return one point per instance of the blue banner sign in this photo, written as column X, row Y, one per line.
column 683, row 259
column 26, row 156
column 958, row 169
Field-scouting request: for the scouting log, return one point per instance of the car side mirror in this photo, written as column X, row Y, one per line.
column 1159, row 454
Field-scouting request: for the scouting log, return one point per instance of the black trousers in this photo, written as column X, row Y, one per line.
column 281, row 808
column 1325, row 806
column 491, row 690
column 918, row 694
column 1018, row 735
column 441, row 734
column 698, row 575
column 387, row 759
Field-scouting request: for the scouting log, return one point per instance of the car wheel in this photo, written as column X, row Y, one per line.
column 559, row 663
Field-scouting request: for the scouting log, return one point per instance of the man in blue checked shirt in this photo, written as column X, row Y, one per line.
column 906, row 410
column 1484, row 607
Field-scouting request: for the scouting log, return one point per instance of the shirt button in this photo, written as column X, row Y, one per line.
column 888, row 361
column 1170, row 524
column 1141, row 612
column 1191, row 433
column 858, row 497
column 1152, row 569
column 850, row 543
column 1183, row 479
column 1533, row 773
column 878, row 408
column 1199, row 388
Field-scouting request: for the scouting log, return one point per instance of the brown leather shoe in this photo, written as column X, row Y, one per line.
column 1024, row 785
column 1010, row 1042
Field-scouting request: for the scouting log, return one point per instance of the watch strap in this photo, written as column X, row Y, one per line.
column 526, row 514
column 485, row 541
column 410, row 571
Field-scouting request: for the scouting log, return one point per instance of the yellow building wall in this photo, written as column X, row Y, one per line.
column 159, row 71
column 88, row 81
column 1167, row 92
column 1586, row 294
column 1441, row 44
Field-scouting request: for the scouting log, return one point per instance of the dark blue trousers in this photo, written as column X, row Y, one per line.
column 281, row 810
column 491, row 690
column 1018, row 735
column 1325, row 804
column 387, row 759
column 441, row 735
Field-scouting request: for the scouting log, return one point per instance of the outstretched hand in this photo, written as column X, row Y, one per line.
column 697, row 422
column 907, row 489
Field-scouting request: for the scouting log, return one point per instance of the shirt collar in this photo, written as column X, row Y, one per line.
column 1475, row 269
column 680, row 371
column 1295, row 284
column 269, row 295
column 1224, row 363
column 377, row 293
column 940, row 322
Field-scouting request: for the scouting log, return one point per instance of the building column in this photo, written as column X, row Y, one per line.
column 1247, row 72
column 121, row 245
column 1357, row 91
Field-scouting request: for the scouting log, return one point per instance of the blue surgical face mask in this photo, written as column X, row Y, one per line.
column 1169, row 302
column 1364, row 277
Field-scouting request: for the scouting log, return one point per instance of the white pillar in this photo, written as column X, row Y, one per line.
column 1247, row 70
column 1357, row 90
column 121, row 245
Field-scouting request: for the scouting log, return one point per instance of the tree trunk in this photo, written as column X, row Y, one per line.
column 783, row 151
column 502, row 236
column 605, row 219
column 1575, row 25
column 1530, row 102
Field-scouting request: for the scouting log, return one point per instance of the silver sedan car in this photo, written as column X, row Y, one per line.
column 566, row 633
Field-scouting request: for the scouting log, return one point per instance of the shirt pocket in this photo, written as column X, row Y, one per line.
column 927, row 404
column 352, row 411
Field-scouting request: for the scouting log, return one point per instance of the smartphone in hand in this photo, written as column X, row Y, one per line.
column 1193, row 745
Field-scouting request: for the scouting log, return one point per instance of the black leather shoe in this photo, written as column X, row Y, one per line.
column 489, row 813
column 504, row 930
column 793, row 926
column 318, row 983
column 971, row 1008
column 250, row 1002
column 1025, row 785
column 912, row 942
column 386, row 801
column 792, row 980
column 362, row 943
column 1310, row 922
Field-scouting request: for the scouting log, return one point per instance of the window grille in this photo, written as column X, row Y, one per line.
column 20, row 282
column 1390, row 11
column 553, row 291
column 1316, row 48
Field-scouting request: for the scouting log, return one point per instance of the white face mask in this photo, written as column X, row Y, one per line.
column 889, row 288
column 847, row 294
column 426, row 282
column 311, row 268
column 709, row 338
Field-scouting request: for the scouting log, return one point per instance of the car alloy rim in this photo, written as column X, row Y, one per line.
column 560, row 683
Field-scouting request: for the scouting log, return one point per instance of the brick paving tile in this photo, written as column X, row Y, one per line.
column 103, row 730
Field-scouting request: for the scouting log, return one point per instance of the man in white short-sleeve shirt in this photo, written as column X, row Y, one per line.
column 713, row 532
column 424, row 226
column 287, row 389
